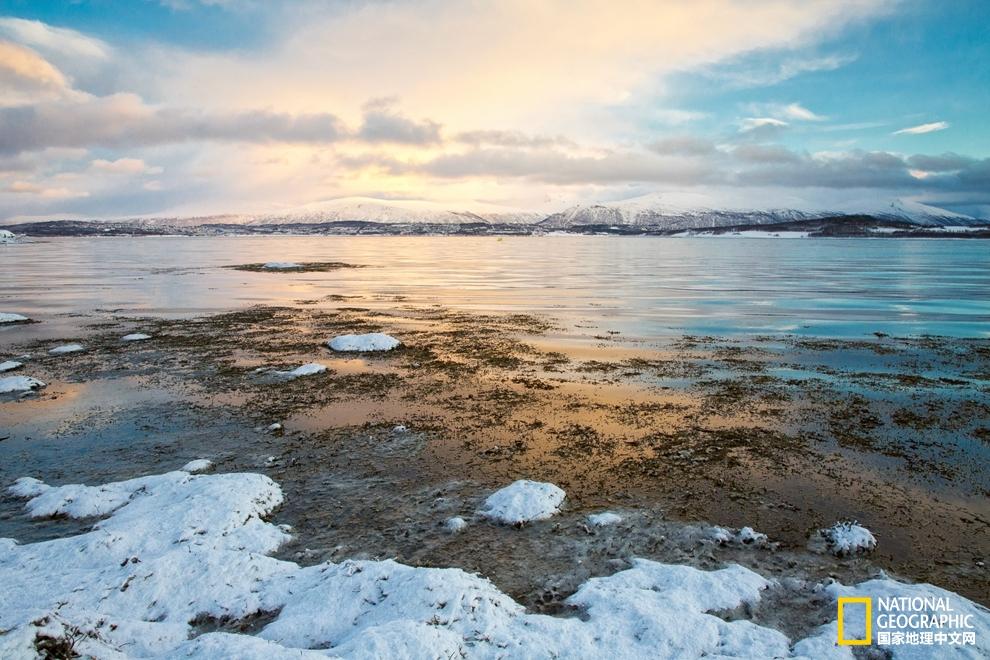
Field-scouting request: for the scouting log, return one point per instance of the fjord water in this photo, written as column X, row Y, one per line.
column 641, row 287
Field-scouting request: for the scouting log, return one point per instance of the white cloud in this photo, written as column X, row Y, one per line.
column 129, row 166
column 923, row 128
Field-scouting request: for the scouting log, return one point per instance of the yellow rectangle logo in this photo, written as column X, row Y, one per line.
column 867, row 602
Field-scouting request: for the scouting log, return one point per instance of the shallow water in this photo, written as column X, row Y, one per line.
column 641, row 287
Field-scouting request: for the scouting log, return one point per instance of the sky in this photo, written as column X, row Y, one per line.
column 200, row 107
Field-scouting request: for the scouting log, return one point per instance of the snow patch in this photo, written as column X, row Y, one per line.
column 455, row 524
column 179, row 547
column 136, row 336
column 307, row 369
column 7, row 317
column 10, row 365
column 842, row 539
column 66, row 348
column 745, row 536
column 197, row 465
column 604, row 519
column 19, row 384
column 281, row 265
column 375, row 341
column 523, row 501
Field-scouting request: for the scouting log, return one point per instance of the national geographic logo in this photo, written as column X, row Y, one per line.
column 902, row 621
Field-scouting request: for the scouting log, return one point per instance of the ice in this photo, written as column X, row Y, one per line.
column 19, row 384
column 375, row 341
column 7, row 317
column 136, row 336
column 843, row 538
column 307, row 369
column 66, row 348
column 744, row 536
column 281, row 265
column 604, row 519
column 10, row 365
column 197, row 465
column 523, row 501
column 178, row 548
column 455, row 524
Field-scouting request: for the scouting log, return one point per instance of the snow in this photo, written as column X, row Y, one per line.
column 179, row 547
column 455, row 524
column 273, row 428
column 399, row 428
column 136, row 336
column 197, row 465
column 66, row 348
column 886, row 588
column 281, row 265
column 10, row 365
column 308, row 369
column 375, row 341
column 844, row 538
column 8, row 317
column 523, row 501
column 744, row 536
column 6, row 236
column 604, row 519
column 19, row 384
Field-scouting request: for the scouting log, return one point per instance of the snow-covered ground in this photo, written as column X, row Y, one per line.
column 281, row 265
column 135, row 336
column 523, row 501
column 374, row 341
column 178, row 547
column 10, row 365
column 10, row 317
column 19, row 384
column 604, row 519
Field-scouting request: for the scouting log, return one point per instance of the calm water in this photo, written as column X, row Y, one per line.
column 642, row 287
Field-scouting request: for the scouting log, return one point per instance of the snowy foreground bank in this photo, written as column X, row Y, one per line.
column 180, row 549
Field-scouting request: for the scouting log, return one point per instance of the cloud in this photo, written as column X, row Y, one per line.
column 683, row 145
column 766, row 74
column 510, row 139
column 34, row 189
column 923, row 128
column 54, row 40
column 26, row 77
column 129, row 166
column 782, row 111
column 123, row 120
column 383, row 123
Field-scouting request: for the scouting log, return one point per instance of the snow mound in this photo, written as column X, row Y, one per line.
column 136, row 336
column 307, row 369
column 19, row 384
column 843, row 539
column 66, row 348
column 10, row 365
column 745, row 536
column 523, row 501
column 7, row 317
column 604, row 519
column 455, row 524
column 375, row 341
column 178, row 548
column 197, row 465
column 281, row 265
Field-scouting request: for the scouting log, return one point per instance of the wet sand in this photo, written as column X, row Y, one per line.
column 781, row 433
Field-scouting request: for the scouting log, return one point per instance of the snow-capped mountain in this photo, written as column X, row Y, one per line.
column 366, row 209
column 695, row 211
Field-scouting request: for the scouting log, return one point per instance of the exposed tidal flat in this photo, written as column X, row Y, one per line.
column 691, row 391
